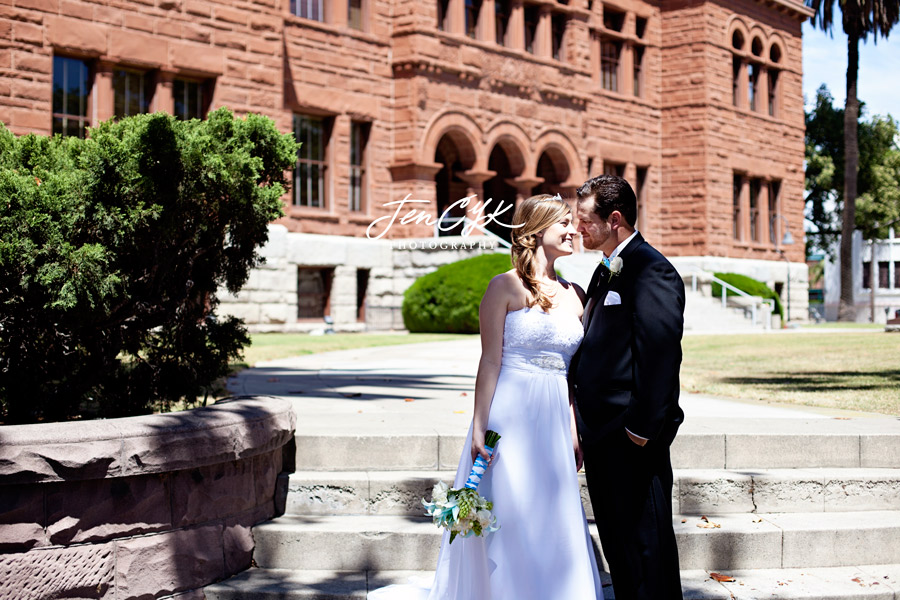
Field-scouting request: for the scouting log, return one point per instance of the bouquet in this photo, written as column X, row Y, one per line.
column 463, row 511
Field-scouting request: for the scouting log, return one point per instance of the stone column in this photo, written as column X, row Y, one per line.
column 524, row 186
column 516, row 28
column 456, row 10
column 336, row 12
column 744, row 225
column 762, row 90
column 544, row 35
column 487, row 26
column 626, row 70
column 476, row 210
column 163, row 98
column 764, row 216
column 103, row 92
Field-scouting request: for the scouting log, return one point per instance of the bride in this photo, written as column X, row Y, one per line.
column 530, row 328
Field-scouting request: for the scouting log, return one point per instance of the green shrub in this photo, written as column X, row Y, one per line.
column 111, row 252
column 447, row 300
column 748, row 285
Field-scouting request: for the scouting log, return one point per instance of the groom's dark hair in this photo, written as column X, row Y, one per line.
column 610, row 192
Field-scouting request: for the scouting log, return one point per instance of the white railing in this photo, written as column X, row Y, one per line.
column 755, row 302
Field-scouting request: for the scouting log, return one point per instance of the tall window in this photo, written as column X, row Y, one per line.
column 736, row 207
column 71, row 87
column 884, row 280
column 610, row 51
column 501, row 20
column 773, row 91
column 867, row 275
column 531, row 23
column 473, row 7
column 774, row 191
column 188, row 97
column 638, row 70
column 558, row 35
column 132, row 91
column 354, row 14
column 640, row 26
column 359, row 137
column 309, row 174
column 897, row 274
column 308, row 9
column 443, row 15
column 754, row 209
column 736, row 81
column 753, row 80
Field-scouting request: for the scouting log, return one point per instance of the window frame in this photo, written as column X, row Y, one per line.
column 610, row 67
column 530, row 33
column 501, row 22
column 471, row 16
column 736, row 208
column 322, row 163
column 297, row 7
column 360, row 133
column 203, row 99
column 83, row 120
column 146, row 95
column 361, row 25
column 559, row 22
column 637, row 64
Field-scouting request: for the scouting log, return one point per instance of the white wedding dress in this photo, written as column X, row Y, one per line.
column 543, row 550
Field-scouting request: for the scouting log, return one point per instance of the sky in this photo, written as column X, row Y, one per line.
column 825, row 61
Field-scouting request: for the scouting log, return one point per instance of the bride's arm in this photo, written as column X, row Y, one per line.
column 491, row 318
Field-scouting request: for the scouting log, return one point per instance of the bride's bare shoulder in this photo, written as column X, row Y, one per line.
column 505, row 288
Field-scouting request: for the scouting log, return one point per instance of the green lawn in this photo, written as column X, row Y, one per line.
column 848, row 370
column 269, row 346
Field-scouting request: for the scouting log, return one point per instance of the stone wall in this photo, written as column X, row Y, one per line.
column 269, row 301
column 140, row 507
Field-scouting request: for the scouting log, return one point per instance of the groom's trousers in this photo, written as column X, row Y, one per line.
column 631, row 494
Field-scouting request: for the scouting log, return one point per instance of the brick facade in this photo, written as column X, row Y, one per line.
column 447, row 111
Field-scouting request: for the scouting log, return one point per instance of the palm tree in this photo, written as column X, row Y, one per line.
column 859, row 19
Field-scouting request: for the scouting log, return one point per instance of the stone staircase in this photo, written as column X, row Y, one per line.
column 792, row 508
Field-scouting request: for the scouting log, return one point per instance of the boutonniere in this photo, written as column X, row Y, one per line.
column 615, row 266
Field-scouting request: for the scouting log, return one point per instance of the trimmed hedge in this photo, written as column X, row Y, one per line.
column 447, row 300
column 748, row 285
column 112, row 251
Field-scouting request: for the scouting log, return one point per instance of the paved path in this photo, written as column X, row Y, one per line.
column 429, row 387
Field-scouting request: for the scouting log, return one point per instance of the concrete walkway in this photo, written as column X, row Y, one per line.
column 429, row 388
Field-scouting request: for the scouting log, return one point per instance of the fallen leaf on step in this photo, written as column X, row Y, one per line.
column 841, row 418
column 757, row 520
column 684, row 520
column 464, row 394
column 409, row 399
column 721, row 577
column 707, row 524
column 351, row 394
column 359, row 412
column 459, row 412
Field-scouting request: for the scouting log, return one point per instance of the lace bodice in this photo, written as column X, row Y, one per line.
column 531, row 329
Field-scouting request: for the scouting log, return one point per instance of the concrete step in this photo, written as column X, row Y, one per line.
column 701, row 444
column 868, row 582
column 696, row 491
column 744, row 541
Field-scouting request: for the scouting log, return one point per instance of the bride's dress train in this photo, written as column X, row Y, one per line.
column 543, row 550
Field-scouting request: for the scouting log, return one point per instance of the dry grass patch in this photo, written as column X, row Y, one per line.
column 847, row 370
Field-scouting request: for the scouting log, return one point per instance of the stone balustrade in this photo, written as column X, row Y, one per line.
column 140, row 507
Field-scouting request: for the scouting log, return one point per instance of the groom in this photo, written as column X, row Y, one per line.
column 625, row 379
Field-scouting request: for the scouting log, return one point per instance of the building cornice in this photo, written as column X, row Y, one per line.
column 799, row 8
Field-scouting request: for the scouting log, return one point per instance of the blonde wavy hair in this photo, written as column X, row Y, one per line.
column 535, row 214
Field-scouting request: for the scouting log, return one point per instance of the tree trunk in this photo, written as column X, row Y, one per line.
column 847, row 307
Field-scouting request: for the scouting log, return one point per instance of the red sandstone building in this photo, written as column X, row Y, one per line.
column 697, row 103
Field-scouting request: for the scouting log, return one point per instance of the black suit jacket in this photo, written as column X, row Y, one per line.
column 626, row 372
